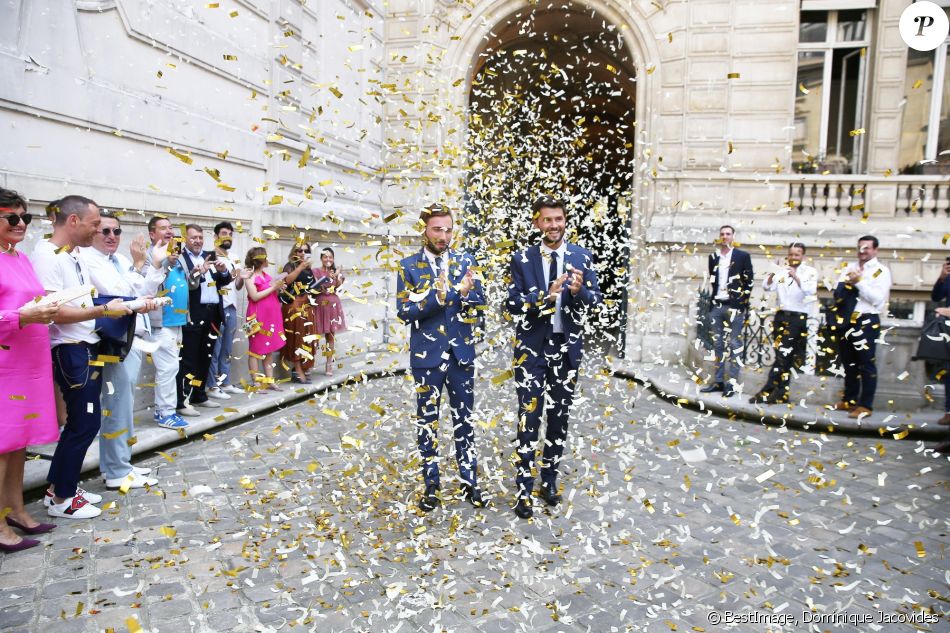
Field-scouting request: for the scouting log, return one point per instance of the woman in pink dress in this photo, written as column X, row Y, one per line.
column 265, row 322
column 328, row 312
column 26, row 373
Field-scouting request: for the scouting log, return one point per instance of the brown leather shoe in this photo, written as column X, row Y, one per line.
column 842, row 406
column 858, row 412
column 945, row 420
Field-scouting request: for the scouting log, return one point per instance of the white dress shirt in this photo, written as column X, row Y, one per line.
column 874, row 289
column 228, row 293
column 556, row 320
column 120, row 278
column 722, row 271
column 59, row 271
column 791, row 296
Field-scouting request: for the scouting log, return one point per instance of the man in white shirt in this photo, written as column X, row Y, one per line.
column 219, row 376
column 796, row 285
column 113, row 274
column 857, row 347
column 75, row 344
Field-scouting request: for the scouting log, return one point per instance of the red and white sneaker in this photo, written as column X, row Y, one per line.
column 74, row 508
column 91, row 497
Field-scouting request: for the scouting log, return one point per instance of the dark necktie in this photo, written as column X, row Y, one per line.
column 438, row 266
column 552, row 271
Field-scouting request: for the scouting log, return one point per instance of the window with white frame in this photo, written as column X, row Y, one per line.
column 925, row 125
column 831, row 91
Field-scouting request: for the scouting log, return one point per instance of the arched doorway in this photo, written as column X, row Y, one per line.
column 552, row 109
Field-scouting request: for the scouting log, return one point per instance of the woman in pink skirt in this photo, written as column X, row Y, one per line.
column 328, row 317
column 265, row 323
column 26, row 373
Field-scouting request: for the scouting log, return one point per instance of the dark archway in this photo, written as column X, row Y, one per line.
column 552, row 110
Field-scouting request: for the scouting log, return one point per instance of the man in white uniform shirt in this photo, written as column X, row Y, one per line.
column 74, row 344
column 857, row 347
column 113, row 274
column 797, row 287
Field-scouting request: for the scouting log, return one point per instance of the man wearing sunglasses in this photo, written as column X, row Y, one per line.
column 75, row 344
column 112, row 273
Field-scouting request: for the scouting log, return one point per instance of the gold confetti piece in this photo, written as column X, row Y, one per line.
column 336, row 92
column 902, row 434
column 355, row 47
column 857, row 132
column 3, row 513
column 649, row 506
column 732, row 76
column 212, row 5
column 919, row 546
column 233, row 14
column 351, row 442
column 378, row 409
column 918, row 84
column 15, row 397
column 803, row 89
column 170, row 532
column 108, row 505
column 946, row 236
column 208, row 437
column 79, row 608
column 325, row 183
column 497, row 379
column 112, row 436
column 168, row 457
column 182, row 157
column 230, row 58
column 312, row 467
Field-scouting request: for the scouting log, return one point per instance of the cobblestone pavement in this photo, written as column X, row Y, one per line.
column 673, row 520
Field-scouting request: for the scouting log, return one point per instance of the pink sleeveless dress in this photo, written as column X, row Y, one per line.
column 267, row 335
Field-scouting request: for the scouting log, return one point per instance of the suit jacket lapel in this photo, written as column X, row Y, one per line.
column 534, row 256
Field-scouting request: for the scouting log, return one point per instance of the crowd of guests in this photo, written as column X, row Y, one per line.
column 77, row 314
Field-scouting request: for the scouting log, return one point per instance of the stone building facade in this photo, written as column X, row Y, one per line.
column 791, row 119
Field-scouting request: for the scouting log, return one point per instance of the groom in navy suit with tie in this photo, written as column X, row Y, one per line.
column 553, row 286
column 438, row 295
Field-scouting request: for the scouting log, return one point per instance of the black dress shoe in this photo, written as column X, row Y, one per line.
column 716, row 386
column 549, row 494
column 473, row 495
column 728, row 392
column 759, row 398
column 523, row 508
column 430, row 499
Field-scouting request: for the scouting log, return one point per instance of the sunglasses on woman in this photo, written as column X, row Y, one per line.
column 304, row 252
column 13, row 219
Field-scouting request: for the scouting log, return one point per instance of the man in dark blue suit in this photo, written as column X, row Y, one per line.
column 438, row 295
column 730, row 270
column 553, row 287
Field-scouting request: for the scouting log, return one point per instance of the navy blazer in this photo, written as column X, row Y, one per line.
column 532, row 313
column 435, row 330
column 741, row 278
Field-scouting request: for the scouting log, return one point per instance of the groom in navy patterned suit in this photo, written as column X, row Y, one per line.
column 553, row 286
column 438, row 295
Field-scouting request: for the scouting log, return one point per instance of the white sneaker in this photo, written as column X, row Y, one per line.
column 218, row 394
column 132, row 480
column 91, row 497
column 74, row 508
column 232, row 389
column 189, row 411
column 141, row 471
column 208, row 404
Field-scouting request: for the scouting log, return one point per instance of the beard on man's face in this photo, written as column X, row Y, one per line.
column 225, row 245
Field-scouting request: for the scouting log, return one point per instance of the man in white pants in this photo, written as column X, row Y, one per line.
column 113, row 274
column 167, row 322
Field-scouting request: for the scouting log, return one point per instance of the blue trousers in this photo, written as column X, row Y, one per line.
column 80, row 384
column 547, row 386
column 459, row 381
column 946, row 389
column 857, row 349
column 115, row 454
column 221, row 357
column 726, row 324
